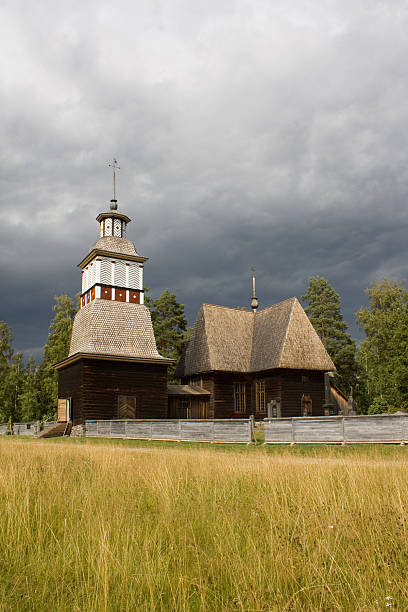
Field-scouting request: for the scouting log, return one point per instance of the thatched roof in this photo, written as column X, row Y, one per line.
column 233, row 340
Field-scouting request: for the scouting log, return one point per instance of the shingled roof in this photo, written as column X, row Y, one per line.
column 234, row 340
column 105, row 327
column 113, row 244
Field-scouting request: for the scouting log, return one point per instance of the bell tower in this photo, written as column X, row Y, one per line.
column 113, row 269
column 113, row 368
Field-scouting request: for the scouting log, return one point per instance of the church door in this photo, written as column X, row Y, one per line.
column 127, row 406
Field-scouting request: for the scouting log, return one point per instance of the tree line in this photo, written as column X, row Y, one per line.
column 375, row 373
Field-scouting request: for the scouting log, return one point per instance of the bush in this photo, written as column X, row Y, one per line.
column 379, row 406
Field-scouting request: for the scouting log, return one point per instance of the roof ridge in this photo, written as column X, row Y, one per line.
column 226, row 307
column 292, row 299
column 282, row 347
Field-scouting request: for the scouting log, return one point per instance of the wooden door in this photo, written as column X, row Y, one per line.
column 62, row 409
column 127, row 406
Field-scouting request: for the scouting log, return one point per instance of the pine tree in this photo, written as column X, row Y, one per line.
column 170, row 327
column 56, row 349
column 6, row 351
column 384, row 352
column 323, row 310
column 10, row 404
column 30, row 397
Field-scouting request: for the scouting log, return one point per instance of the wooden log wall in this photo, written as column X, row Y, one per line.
column 341, row 429
column 297, row 383
column 69, row 386
column 188, row 430
column 286, row 386
column 95, row 386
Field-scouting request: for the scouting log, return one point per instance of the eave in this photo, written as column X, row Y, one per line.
column 96, row 252
column 77, row 356
column 113, row 213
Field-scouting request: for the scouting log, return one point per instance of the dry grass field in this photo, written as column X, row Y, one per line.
column 99, row 526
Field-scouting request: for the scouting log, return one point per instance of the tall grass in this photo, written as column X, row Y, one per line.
column 98, row 527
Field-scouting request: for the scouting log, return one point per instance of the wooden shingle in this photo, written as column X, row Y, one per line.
column 234, row 340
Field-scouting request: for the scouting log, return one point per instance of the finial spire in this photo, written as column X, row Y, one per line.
column 115, row 166
column 254, row 301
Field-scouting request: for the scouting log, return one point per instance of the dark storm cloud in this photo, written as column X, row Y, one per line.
column 271, row 135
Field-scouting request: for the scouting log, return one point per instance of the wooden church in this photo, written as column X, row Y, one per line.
column 237, row 362
column 266, row 363
column 113, row 369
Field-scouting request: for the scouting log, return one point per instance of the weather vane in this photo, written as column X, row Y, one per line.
column 115, row 167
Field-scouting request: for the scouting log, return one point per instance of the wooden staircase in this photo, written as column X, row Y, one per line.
column 62, row 428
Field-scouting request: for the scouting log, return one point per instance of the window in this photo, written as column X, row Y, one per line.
column 134, row 277
column 184, row 407
column 305, row 379
column 106, row 272
column 260, row 395
column 306, row 405
column 239, row 398
column 120, row 274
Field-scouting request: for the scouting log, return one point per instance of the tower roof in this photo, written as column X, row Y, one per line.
column 120, row 329
column 112, row 244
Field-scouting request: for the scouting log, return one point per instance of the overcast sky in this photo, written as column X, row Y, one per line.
column 249, row 132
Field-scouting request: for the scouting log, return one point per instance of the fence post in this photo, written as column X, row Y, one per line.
column 252, row 428
column 293, row 430
column 344, row 437
column 180, row 433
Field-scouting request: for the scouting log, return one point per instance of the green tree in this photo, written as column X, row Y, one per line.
column 384, row 352
column 170, row 327
column 30, row 396
column 10, row 405
column 6, row 351
column 323, row 310
column 56, row 349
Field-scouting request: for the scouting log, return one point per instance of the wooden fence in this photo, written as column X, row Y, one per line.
column 341, row 429
column 26, row 429
column 188, row 430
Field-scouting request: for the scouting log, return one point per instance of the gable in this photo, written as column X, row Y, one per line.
column 302, row 347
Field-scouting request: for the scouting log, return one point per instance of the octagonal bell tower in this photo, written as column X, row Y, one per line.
column 113, row 370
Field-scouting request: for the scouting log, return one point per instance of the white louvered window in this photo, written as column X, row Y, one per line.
column 117, row 228
column 134, row 277
column 106, row 271
column 86, row 279
column 101, row 229
column 108, row 227
column 91, row 275
column 120, row 274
